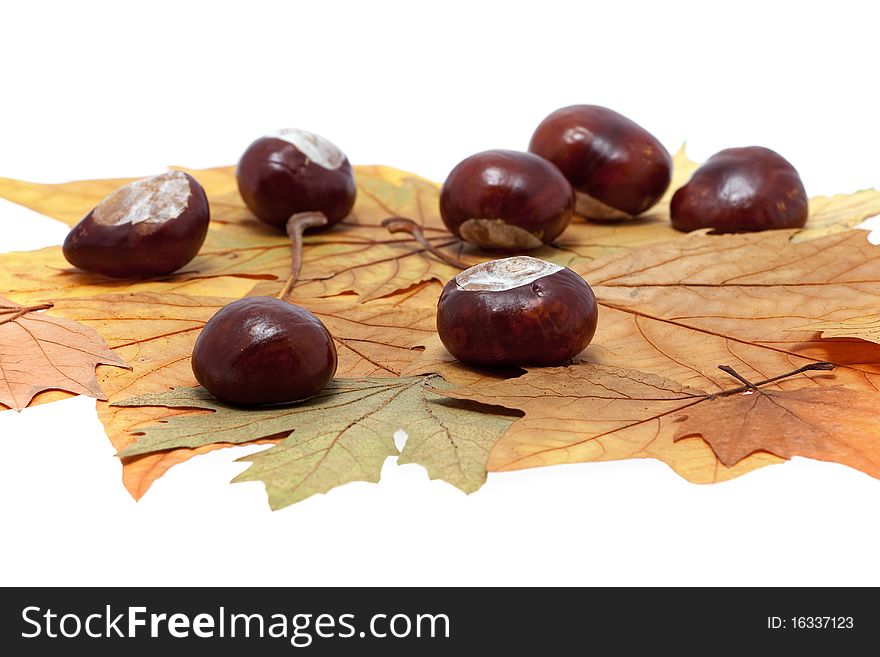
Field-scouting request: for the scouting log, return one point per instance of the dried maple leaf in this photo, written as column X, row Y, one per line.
column 342, row 434
column 41, row 352
column 829, row 424
column 586, row 412
column 675, row 311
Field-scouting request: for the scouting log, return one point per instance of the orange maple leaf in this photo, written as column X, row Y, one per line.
column 39, row 352
column 833, row 423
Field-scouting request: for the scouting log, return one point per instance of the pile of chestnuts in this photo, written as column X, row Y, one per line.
column 582, row 161
column 616, row 170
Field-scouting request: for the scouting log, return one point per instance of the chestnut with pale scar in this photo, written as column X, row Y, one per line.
column 293, row 171
column 146, row 228
column 506, row 201
column 617, row 168
column 516, row 311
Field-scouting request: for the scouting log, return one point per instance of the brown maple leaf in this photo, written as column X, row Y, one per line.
column 833, row 423
column 674, row 311
column 591, row 413
column 41, row 352
column 587, row 412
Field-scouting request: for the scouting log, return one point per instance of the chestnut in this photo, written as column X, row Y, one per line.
column 146, row 228
column 741, row 189
column 617, row 168
column 262, row 350
column 291, row 171
column 506, row 201
column 516, row 311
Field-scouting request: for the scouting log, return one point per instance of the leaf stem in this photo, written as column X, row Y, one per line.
column 403, row 225
column 295, row 227
column 21, row 311
column 737, row 376
column 748, row 385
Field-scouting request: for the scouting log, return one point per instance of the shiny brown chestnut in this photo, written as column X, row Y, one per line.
column 617, row 168
column 741, row 189
column 146, row 228
column 506, row 201
column 261, row 350
column 516, row 311
column 291, row 171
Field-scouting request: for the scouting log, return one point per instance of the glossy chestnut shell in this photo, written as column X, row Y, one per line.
column 261, row 350
column 506, row 201
column 146, row 228
column 617, row 168
column 291, row 171
column 741, row 189
column 516, row 311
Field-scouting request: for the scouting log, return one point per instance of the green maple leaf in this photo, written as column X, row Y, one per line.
column 342, row 434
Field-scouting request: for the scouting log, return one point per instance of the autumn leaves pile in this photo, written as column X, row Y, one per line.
column 673, row 308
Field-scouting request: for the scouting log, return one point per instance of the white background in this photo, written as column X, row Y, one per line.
column 125, row 89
